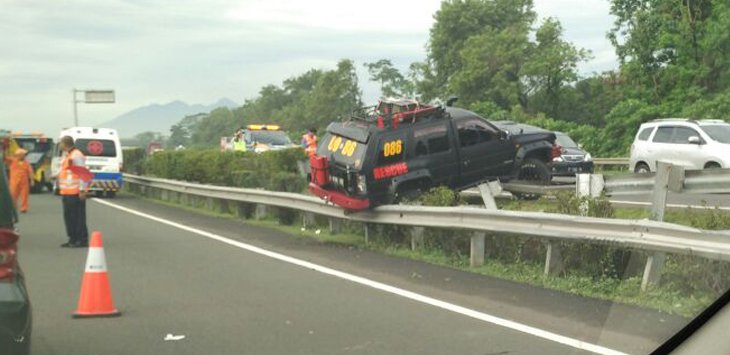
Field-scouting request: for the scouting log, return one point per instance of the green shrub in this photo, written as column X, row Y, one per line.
column 134, row 160
column 274, row 170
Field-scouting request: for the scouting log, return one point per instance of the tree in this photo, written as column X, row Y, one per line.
column 181, row 132
column 390, row 79
column 551, row 66
column 669, row 48
column 492, row 64
column 145, row 138
column 459, row 20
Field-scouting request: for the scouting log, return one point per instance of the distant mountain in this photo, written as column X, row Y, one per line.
column 159, row 118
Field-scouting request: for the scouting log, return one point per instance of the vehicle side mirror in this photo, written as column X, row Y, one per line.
column 694, row 140
column 503, row 135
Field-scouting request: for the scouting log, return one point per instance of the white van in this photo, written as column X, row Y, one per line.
column 103, row 153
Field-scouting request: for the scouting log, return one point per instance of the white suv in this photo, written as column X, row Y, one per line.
column 693, row 144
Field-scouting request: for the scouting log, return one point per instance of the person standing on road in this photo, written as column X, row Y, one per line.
column 20, row 176
column 73, row 191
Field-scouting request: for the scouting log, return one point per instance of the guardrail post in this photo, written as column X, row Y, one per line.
column 368, row 229
column 553, row 259
column 417, row 238
column 308, row 219
column 164, row 195
column 261, row 212
column 335, row 225
column 668, row 178
column 476, row 249
column 488, row 191
column 223, row 206
column 477, row 240
column 243, row 210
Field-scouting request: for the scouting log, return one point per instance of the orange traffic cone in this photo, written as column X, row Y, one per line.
column 96, row 294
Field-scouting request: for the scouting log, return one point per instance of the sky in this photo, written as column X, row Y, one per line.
column 157, row 51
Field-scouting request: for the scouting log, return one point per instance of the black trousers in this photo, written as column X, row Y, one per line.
column 74, row 215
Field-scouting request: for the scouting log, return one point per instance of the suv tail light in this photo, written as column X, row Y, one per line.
column 8, row 251
column 556, row 152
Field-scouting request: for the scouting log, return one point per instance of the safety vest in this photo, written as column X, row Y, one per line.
column 69, row 183
column 310, row 144
column 239, row 145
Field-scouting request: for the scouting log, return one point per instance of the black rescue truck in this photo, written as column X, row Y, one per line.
column 400, row 148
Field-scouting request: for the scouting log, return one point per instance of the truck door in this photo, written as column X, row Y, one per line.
column 432, row 150
column 483, row 154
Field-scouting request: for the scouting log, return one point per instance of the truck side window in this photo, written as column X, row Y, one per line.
column 431, row 139
column 475, row 131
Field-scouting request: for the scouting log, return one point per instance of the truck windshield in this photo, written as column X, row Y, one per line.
column 342, row 150
column 270, row 137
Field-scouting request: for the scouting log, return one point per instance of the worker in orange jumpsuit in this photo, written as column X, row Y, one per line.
column 20, row 177
column 309, row 142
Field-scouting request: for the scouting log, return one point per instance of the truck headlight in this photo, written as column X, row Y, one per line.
column 558, row 159
column 361, row 183
column 587, row 157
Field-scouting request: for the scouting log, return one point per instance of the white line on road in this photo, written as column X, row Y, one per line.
column 579, row 344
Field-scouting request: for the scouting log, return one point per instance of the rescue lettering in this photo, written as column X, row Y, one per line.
column 388, row 171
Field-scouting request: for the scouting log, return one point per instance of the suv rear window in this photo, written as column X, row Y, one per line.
column 645, row 133
column 96, row 147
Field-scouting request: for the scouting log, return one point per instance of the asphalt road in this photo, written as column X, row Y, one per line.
column 227, row 300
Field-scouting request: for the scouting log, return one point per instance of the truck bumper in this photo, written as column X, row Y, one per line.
column 338, row 198
column 106, row 182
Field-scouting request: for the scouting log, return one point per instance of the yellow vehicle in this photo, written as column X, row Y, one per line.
column 260, row 138
column 39, row 149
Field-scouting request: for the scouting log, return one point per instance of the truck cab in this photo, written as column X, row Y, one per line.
column 401, row 148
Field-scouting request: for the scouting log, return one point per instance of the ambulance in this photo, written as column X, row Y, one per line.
column 104, row 159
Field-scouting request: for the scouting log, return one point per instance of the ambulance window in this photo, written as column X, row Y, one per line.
column 96, row 147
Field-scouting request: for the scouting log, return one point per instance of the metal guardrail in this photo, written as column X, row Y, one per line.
column 639, row 234
column 713, row 181
column 611, row 161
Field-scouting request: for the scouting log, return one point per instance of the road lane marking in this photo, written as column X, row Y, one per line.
column 575, row 343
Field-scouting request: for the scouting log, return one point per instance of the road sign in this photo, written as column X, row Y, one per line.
column 99, row 96
column 92, row 97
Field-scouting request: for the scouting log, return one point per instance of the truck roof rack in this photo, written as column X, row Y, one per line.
column 390, row 112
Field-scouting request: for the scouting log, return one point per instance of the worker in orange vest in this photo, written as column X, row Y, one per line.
column 20, row 177
column 309, row 142
column 73, row 190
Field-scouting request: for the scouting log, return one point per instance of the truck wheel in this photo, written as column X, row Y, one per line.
column 536, row 171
